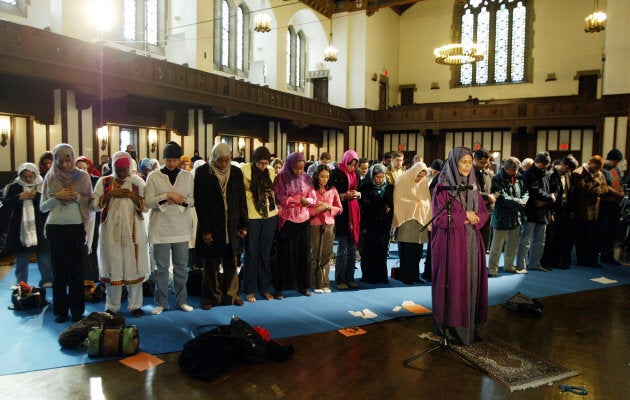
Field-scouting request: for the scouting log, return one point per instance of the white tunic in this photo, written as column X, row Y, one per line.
column 122, row 247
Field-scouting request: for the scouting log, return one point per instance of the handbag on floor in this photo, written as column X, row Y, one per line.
column 25, row 297
column 113, row 341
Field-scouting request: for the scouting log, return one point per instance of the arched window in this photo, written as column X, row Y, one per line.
column 501, row 27
column 231, row 37
column 296, row 59
column 143, row 23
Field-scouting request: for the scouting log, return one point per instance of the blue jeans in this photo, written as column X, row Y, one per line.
column 345, row 259
column 163, row 252
column 43, row 262
column 531, row 245
column 258, row 242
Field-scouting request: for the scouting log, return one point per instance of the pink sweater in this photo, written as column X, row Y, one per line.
column 326, row 217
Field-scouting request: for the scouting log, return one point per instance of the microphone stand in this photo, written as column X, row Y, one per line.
column 444, row 342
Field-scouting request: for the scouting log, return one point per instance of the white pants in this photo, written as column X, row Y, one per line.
column 114, row 294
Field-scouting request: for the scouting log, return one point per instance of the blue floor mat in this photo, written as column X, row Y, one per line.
column 31, row 337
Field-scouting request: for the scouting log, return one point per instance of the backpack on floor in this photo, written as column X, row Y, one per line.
column 524, row 304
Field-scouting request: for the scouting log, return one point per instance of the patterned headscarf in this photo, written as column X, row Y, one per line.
column 93, row 171
column 372, row 172
column 449, row 176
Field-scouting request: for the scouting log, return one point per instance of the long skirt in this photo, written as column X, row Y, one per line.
column 293, row 268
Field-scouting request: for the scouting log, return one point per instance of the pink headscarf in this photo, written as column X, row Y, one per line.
column 354, row 212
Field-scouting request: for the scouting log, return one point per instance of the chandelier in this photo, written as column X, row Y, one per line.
column 262, row 21
column 458, row 53
column 330, row 53
column 595, row 22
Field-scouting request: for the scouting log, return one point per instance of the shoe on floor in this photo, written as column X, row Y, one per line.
column 522, row 271
column 342, row 286
column 306, row 292
column 61, row 318
column 318, row 291
column 251, row 298
column 279, row 295
column 137, row 312
column 187, row 308
column 326, row 290
column 511, row 270
column 157, row 310
column 49, row 284
column 268, row 296
column 353, row 285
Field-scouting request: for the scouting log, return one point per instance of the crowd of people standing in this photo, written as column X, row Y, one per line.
column 284, row 216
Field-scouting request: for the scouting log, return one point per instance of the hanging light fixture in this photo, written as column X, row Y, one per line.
column 458, row 54
column 595, row 22
column 262, row 21
column 330, row 53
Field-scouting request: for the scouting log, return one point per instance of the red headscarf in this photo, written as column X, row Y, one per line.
column 354, row 213
column 91, row 169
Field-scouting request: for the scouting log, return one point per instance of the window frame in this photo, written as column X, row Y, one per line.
column 296, row 64
column 19, row 8
column 140, row 41
column 233, row 38
column 493, row 6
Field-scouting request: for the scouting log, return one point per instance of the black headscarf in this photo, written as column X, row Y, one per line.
column 261, row 185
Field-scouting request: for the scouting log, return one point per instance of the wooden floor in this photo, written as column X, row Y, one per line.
column 586, row 331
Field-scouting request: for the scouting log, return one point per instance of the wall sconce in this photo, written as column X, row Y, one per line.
column 301, row 148
column 5, row 137
column 103, row 136
column 241, row 144
column 153, row 139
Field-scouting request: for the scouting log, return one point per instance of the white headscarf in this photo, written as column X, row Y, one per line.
column 28, row 225
column 412, row 200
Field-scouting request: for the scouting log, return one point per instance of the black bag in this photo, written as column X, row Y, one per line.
column 216, row 351
column 25, row 297
column 524, row 304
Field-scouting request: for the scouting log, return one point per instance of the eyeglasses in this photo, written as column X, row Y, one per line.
column 262, row 163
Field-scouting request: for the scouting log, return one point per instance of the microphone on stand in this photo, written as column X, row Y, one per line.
column 459, row 188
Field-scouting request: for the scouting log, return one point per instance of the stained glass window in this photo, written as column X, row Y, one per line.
column 500, row 28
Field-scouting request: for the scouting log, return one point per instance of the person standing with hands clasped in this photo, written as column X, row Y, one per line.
column 222, row 214
column 168, row 194
column 122, row 248
column 26, row 225
column 67, row 197
column 467, row 275
column 323, row 227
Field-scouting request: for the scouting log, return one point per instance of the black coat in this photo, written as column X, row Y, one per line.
column 12, row 202
column 211, row 212
column 339, row 181
column 373, row 207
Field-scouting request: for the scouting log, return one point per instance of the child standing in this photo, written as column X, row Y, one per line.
column 26, row 224
column 323, row 228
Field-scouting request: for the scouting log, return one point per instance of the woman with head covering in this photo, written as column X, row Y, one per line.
column 345, row 178
column 222, row 220
column 294, row 195
column 85, row 164
column 67, row 197
column 258, row 178
column 412, row 211
column 146, row 166
column 25, row 233
column 277, row 164
column 122, row 249
column 168, row 194
column 185, row 163
column 377, row 205
column 467, row 275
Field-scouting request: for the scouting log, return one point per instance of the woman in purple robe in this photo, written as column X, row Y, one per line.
column 467, row 274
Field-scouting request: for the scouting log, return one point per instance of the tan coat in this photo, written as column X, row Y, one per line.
column 587, row 191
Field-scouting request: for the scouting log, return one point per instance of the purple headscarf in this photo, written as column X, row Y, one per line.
column 449, row 176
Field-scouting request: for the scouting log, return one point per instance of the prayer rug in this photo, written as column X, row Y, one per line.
column 515, row 368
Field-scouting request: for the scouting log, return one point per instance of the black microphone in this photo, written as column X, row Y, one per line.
column 459, row 188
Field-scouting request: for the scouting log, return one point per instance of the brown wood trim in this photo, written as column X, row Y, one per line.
column 80, row 129
column 48, row 137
